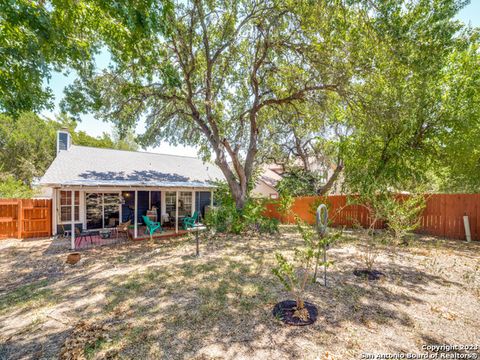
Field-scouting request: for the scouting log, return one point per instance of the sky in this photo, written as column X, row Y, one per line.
column 470, row 15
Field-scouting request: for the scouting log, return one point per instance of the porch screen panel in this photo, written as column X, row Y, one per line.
column 156, row 201
column 94, row 210
column 142, row 203
column 202, row 201
column 185, row 203
column 111, row 210
column 170, row 198
column 103, row 210
column 128, row 208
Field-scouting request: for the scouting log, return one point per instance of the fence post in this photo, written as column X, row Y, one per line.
column 49, row 217
column 19, row 218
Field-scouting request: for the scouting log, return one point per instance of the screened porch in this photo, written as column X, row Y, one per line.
column 104, row 216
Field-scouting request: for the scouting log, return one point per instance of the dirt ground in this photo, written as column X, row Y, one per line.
column 158, row 301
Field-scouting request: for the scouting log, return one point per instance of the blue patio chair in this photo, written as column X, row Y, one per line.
column 151, row 226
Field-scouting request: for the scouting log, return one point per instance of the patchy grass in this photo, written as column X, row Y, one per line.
column 27, row 296
column 157, row 300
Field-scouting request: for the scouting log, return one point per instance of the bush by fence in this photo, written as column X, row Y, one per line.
column 25, row 218
column 443, row 214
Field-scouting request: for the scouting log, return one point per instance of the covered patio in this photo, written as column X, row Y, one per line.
column 105, row 215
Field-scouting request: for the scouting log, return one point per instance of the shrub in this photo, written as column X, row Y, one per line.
column 226, row 218
column 285, row 205
column 374, row 202
column 268, row 225
column 403, row 214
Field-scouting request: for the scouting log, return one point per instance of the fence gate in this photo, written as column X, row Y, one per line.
column 25, row 218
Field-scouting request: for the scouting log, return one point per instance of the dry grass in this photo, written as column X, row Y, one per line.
column 157, row 300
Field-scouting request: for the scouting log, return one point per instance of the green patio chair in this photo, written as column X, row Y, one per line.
column 189, row 222
column 151, row 226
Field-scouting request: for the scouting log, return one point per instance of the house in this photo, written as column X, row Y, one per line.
column 271, row 174
column 105, row 187
column 265, row 187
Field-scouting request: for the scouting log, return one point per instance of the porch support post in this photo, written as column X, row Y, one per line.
column 54, row 212
column 72, row 218
column 135, row 214
column 120, row 215
column 194, row 203
column 211, row 199
column 176, row 212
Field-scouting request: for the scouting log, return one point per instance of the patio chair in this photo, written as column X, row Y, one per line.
column 151, row 226
column 63, row 234
column 80, row 235
column 122, row 229
column 189, row 222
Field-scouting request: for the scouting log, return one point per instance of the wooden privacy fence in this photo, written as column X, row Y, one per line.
column 442, row 216
column 25, row 218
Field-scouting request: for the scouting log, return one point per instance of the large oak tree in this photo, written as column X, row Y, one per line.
column 230, row 76
column 219, row 74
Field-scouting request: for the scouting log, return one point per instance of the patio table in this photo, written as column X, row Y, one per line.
column 105, row 233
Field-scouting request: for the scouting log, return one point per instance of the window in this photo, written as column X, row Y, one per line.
column 66, row 206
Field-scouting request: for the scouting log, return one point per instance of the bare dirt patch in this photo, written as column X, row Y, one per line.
column 157, row 300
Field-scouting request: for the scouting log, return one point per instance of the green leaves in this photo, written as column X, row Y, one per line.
column 11, row 188
column 389, row 87
column 300, row 182
column 399, row 109
column 285, row 272
column 28, row 144
column 38, row 37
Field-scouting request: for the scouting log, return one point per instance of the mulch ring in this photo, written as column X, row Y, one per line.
column 369, row 274
column 284, row 311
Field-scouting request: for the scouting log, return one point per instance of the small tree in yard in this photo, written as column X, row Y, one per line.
column 284, row 207
column 294, row 276
column 403, row 214
column 374, row 202
column 370, row 252
column 400, row 213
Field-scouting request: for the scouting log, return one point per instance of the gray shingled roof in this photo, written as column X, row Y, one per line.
column 89, row 166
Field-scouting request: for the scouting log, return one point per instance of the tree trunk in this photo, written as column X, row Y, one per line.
column 240, row 199
column 300, row 303
column 326, row 188
column 239, row 192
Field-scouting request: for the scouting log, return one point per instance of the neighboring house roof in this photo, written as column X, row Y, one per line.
column 265, row 185
column 89, row 166
column 270, row 177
